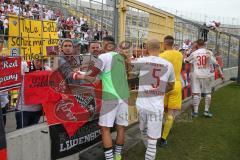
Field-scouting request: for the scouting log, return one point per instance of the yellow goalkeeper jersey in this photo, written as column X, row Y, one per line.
column 176, row 58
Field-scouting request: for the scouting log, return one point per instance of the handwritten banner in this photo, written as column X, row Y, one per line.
column 36, row 87
column 34, row 38
column 10, row 75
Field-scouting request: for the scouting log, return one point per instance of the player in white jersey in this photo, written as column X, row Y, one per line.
column 156, row 77
column 201, row 60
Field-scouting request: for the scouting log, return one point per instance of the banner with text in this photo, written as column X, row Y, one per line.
column 75, row 108
column 10, row 75
column 32, row 38
column 62, row 104
column 36, row 88
column 73, row 116
column 62, row 145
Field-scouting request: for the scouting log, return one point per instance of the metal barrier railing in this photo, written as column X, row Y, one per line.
column 223, row 44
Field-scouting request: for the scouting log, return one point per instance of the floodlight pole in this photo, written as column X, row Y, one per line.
column 115, row 21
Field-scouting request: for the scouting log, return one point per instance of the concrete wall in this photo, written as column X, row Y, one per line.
column 33, row 143
column 230, row 72
column 29, row 143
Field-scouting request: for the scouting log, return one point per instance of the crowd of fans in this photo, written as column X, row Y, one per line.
column 72, row 27
column 68, row 27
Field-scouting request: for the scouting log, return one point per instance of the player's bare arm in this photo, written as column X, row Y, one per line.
column 89, row 77
column 170, row 86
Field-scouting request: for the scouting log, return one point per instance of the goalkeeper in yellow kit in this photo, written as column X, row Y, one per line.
column 173, row 99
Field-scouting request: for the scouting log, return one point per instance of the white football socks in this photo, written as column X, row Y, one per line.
column 196, row 102
column 207, row 102
column 151, row 150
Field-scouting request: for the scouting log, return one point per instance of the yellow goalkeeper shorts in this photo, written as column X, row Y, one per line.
column 173, row 99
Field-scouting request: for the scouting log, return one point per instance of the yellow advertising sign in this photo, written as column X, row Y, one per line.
column 32, row 38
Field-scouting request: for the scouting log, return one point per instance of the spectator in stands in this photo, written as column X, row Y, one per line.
column 35, row 11
column 176, row 47
column 77, row 26
column 187, row 44
column 143, row 48
column 26, row 2
column 204, row 32
column 4, row 102
column 77, row 47
column 49, row 15
column 60, row 21
column 84, row 27
column 219, row 60
column 78, row 36
column 27, row 115
column 11, row 9
column 82, row 21
column 96, row 33
column 5, row 9
column 1, row 11
column 94, row 48
column 58, row 13
column 27, row 12
column 137, row 52
column 22, row 1
column 75, row 21
column 60, row 32
column 69, row 23
column 193, row 48
column 67, row 61
column 1, row 32
column 87, row 35
column 17, row 9
column 213, row 25
column 6, row 25
column 104, row 32
column 72, row 34
column 90, row 58
column 67, row 34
